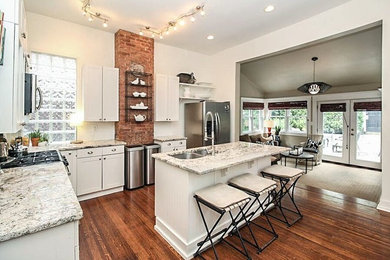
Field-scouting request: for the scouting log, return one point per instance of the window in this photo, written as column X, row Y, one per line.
column 291, row 117
column 56, row 77
column 252, row 117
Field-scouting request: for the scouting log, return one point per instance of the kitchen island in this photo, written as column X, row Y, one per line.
column 39, row 213
column 177, row 216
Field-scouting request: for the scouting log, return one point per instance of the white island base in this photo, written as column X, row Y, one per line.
column 177, row 216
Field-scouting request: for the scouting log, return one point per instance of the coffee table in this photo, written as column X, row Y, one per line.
column 303, row 156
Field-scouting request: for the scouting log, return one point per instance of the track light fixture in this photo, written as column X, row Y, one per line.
column 87, row 11
column 173, row 25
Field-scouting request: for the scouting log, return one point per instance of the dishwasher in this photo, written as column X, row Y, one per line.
column 134, row 167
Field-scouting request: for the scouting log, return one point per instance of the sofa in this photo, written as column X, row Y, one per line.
column 291, row 141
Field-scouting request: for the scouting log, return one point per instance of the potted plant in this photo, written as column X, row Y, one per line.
column 277, row 132
column 35, row 136
column 44, row 139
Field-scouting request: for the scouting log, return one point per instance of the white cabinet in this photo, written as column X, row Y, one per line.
column 71, row 157
column 99, row 171
column 89, row 175
column 100, row 93
column 12, row 82
column 113, row 171
column 13, row 69
column 171, row 146
column 167, row 98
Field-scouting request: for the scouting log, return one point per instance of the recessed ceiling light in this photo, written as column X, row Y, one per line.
column 210, row 37
column 269, row 8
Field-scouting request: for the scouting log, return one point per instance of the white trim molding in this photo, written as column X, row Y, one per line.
column 384, row 205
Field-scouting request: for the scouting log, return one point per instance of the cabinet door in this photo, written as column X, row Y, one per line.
column 113, row 171
column 89, row 175
column 161, row 98
column 110, row 94
column 72, row 160
column 92, row 77
column 7, row 81
column 9, row 8
column 173, row 98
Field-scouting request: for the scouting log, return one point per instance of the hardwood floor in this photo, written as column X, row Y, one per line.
column 120, row 226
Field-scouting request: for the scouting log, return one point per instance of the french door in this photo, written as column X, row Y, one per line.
column 351, row 131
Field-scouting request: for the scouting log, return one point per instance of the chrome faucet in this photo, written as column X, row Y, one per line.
column 206, row 137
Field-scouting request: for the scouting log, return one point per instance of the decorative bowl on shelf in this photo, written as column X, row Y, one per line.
column 139, row 107
column 136, row 94
column 142, row 94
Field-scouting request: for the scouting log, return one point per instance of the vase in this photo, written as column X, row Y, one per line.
column 35, row 141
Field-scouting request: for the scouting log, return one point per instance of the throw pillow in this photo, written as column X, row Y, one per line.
column 255, row 138
column 245, row 138
column 311, row 144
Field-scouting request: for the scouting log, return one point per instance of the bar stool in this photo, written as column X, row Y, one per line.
column 222, row 199
column 255, row 186
column 286, row 176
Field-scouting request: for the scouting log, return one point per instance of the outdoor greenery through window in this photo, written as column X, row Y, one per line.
column 56, row 76
column 290, row 120
column 252, row 121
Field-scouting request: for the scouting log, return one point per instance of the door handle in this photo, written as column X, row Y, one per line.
column 218, row 123
column 39, row 91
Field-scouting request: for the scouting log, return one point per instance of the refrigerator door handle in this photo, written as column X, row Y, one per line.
column 218, row 123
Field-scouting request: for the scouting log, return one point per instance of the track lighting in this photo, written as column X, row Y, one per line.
column 86, row 11
column 181, row 20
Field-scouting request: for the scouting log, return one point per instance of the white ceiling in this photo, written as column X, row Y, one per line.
column 231, row 21
column 351, row 60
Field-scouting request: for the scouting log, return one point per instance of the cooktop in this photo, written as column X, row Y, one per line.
column 33, row 159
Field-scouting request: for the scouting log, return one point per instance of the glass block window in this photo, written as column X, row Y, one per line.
column 56, row 78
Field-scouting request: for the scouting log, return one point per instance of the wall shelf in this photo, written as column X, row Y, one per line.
column 196, row 85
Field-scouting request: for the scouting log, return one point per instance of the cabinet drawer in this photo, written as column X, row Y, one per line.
column 180, row 143
column 89, row 152
column 113, row 150
column 180, row 148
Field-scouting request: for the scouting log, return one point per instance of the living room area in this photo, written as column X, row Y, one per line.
column 324, row 101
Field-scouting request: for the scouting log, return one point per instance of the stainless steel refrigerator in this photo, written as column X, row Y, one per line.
column 194, row 122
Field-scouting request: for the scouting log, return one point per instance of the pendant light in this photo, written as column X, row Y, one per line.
column 314, row 87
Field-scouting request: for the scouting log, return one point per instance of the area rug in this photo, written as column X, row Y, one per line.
column 351, row 181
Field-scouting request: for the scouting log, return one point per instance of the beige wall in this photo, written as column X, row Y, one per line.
column 87, row 45
column 346, row 17
column 248, row 88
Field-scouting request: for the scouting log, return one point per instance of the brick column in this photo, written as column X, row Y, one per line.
column 133, row 48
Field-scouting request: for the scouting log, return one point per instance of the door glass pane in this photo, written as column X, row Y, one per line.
column 368, row 135
column 333, row 133
column 245, row 121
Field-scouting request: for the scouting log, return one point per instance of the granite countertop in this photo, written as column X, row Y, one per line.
column 36, row 198
column 226, row 155
column 85, row 144
column 169, row 138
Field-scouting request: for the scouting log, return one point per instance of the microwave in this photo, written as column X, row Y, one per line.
column 32, row 94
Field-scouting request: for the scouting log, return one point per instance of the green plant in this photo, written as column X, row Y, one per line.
column 44, row 138
column 35, row 134
column 277, row 130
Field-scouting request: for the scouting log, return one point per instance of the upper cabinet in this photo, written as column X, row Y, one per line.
column 167, row 98
column 100, row 93
column 13, row 69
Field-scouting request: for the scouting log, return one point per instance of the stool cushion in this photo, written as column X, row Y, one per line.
column 283, row 171
column 223, row 196
column 274, row 159
column 253, row 183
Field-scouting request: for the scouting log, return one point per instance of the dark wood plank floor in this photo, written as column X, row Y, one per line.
column 120, row 226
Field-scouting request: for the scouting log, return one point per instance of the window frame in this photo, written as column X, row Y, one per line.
column 251, row 117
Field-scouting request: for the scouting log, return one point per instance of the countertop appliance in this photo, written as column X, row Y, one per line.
column 134, row 167
column 32, row 94
column 34, row 159
column 3, row 149
column 194, row 122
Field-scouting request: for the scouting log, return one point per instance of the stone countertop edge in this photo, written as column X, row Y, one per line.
column 71, row 147
column 228, row 155
column 169, row 138
column 36, row 198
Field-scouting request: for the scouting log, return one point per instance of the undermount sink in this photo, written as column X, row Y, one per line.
column 191, row 155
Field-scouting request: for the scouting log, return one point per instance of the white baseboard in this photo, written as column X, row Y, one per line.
column 384, row 205
column 99, row 193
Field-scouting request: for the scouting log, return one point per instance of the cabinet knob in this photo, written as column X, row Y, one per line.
column 104, row 119
column 113, row 150
column 104, row 158
column 90, row 152
column 100, row 159
column 169, row 144
column 69, row 153
column 24, row 35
